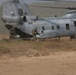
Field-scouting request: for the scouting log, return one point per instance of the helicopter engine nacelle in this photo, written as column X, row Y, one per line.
column 30, row 19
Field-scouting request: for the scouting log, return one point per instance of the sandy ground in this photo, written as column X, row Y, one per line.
column 63, row 63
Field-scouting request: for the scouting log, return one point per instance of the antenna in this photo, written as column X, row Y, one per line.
column 13, row 0
column 70, row 8
column 59, row 7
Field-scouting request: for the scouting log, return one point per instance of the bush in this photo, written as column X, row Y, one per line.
column 5, row 40
column 4, row 50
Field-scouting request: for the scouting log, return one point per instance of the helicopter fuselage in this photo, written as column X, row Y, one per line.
column 17, row 15
column 52, row 28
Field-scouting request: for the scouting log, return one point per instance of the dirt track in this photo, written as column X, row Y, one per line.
column 63, row 63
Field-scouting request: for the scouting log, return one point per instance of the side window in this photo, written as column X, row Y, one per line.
column 20, row 11
column 67, row 27
column 58, row 27
column 43, row 28
column 53, row 27
column 75, row 23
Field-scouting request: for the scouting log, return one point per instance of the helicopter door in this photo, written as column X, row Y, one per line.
column 70, row 29
column 75, row 23
column 75, row 26
column 67, row 26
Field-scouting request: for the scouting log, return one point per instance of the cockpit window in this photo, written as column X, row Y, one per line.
column 20, row 11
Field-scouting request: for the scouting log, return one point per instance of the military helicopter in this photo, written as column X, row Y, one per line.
column 22, row 24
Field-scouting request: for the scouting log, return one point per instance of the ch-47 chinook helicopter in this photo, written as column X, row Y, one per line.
column 19, row 21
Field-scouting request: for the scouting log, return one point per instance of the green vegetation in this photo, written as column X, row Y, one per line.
column 4, row 50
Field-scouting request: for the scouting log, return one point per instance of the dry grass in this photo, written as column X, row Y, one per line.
column 36, row 48
column 4, row 50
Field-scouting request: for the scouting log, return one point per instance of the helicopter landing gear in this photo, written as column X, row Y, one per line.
column 34, row 33
column 12, row 33
column 72, row 37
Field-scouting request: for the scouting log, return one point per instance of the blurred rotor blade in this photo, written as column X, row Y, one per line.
column 58, row 0
column 70, row 8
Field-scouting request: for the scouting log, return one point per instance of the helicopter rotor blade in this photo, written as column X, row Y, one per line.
column 70, row 8
column 60, row 0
